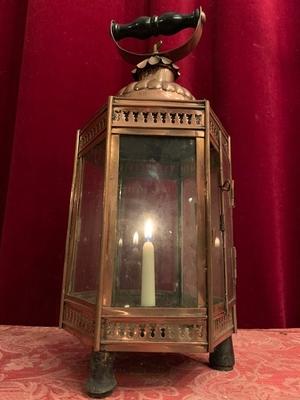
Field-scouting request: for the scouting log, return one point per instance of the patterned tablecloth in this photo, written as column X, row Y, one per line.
column 49, row 364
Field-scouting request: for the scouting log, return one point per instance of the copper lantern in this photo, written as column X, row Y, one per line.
column 150, row 261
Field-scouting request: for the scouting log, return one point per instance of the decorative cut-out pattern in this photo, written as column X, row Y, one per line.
column 214, row 130
column 165, row 118
column 117, row 331
column 92, row 131
column 223, row 324
column 78, row 320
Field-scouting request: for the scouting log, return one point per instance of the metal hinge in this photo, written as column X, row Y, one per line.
column 226, row 186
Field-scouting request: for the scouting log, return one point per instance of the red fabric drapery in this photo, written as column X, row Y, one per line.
column 58, row 65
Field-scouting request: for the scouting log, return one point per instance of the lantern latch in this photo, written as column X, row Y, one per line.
column 226, row 186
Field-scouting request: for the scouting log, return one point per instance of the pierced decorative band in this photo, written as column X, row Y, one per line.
column 78, row 321
column 88, row 135
column 173, row 119
column 120, row 331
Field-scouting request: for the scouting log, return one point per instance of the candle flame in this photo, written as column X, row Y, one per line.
column 217, row 242
column 148, row 229
column 135, row 238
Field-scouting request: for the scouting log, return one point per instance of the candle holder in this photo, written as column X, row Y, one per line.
column 150, row 261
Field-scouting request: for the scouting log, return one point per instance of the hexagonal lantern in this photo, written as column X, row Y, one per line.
column 150, row 260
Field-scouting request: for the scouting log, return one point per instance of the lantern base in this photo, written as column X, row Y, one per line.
column 222, row 358
column 102, row 380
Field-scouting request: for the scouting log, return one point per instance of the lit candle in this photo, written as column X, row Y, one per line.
column 135, row 242
column 135, row 239
column 148, row 271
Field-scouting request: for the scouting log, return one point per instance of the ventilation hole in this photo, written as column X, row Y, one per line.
column 135, row 116
column 152, row 333
column 198, row 119
column 163, row 117
column 180, row 116
column 189, row 118
column 173, row 116
column 145, row 114
column 131, row 333
column 142, row 332
column 162, row 332
column 126, row 115
column 154, row 115
column 116, row 115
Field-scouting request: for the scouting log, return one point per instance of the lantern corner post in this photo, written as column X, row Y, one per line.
column 101, row 381
column 68, row 245
column 209, row 279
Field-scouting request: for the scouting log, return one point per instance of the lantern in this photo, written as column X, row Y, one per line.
column 150, row 261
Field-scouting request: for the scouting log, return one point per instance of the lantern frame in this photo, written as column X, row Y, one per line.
column 115, row 329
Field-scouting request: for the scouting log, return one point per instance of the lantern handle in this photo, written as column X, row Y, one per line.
column 166, row 24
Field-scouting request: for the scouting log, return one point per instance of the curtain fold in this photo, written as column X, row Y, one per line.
column 12, row 29
column 60, row 70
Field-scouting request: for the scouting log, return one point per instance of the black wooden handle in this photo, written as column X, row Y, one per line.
column 145, row 27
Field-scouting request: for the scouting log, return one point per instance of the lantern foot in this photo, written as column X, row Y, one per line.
column 102, row 380
column 222, row 358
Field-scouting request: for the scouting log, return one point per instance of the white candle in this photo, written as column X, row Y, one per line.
column 148, row 270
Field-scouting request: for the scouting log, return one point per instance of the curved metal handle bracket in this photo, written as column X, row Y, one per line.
column 174, row 54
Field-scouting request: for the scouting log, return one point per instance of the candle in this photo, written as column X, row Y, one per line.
column 148, row 271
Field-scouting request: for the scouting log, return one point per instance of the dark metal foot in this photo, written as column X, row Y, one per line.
column 102, row 380
column 222, row 358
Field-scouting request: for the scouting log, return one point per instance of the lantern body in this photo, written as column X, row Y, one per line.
column 150, row 261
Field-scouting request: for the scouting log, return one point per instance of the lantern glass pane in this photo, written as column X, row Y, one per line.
column 88, row 225
column 218, row 270
column 155, row 261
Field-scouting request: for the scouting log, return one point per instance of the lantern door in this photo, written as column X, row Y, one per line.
column 155, row 255
column 222, row 251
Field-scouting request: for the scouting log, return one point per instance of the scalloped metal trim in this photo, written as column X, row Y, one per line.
column 155, row 84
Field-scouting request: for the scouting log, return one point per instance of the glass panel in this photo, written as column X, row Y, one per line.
column 217, row 240
column 89, row 225
column 156, row 235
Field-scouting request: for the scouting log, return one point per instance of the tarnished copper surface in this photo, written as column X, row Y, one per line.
column 155, row 105
column 156, row 82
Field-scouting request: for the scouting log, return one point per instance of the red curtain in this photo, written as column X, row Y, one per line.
column 57, row 67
